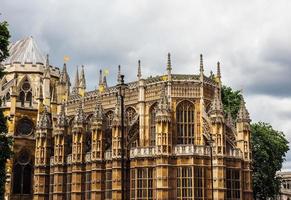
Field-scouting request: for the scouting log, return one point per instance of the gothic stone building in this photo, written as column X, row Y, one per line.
column 178, row 142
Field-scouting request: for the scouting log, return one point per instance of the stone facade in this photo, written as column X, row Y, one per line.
column 285, row 189
column 179, row 144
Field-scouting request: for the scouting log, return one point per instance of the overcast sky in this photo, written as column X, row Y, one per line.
column 251, row 39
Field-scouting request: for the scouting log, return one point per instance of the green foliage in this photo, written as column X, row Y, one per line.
column 231, row 100
column 5, row 141
column 4, row 40
column 269, row 150
column 5, row 153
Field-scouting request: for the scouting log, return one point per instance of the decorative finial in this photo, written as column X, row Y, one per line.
column 77, row 78
column 47, row 60
column 139, row 70
column 82, row 78
column 201, row 64
column 243, row 114
column 44, row 120
column 104, row 82
column 218, row 70
column 169, row 65
column 119, row 75
column 100, row 77
column 216, row 104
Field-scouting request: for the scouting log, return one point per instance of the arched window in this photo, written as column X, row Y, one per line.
column 22, row 98
column 152, row 114
column 7, row 96
column 5, row 99
column 29, row 98
column 25, row 94
column 130, row 114
column 185, row 123
column 109, row 118
column 22, row 174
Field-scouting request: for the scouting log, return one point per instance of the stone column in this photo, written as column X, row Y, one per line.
column 42, row 157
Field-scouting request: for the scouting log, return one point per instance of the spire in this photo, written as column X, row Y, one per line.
column 201, row 64
column 100, row 77
column 76, row 85
column 104, row 82
column 139, row 70
column 64, row 78
column 216, row 105
column 218, row 74
column 47, row 64
column 46, row 72
column 77, row 78
column 44, row 120
column 80, row 116
column 62, row 118
column 169, row 65
column 82, row 83
column 243, row 114
column 119, row 75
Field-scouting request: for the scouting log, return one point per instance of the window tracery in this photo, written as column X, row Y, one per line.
column 5, row 99
column 24, row 127
column 185, row 123
column 130, row 114
column 25, row 94
column 22, row 174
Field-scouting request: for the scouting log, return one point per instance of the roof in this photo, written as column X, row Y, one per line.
column 25, row 51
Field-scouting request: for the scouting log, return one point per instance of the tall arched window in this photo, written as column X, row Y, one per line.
column 152, row 114
column 133, row 126
column 29, row 98
column 22, row 98
column 185, row 123
column 22, row 174
column 25, row 94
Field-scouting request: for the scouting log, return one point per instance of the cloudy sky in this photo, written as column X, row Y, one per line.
column 251, row 39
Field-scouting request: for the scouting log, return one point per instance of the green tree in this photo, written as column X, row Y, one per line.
column 269, row 148
column 231, row 100
column 5, row 141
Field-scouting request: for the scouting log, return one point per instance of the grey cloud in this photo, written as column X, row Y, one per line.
column 251, row 40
